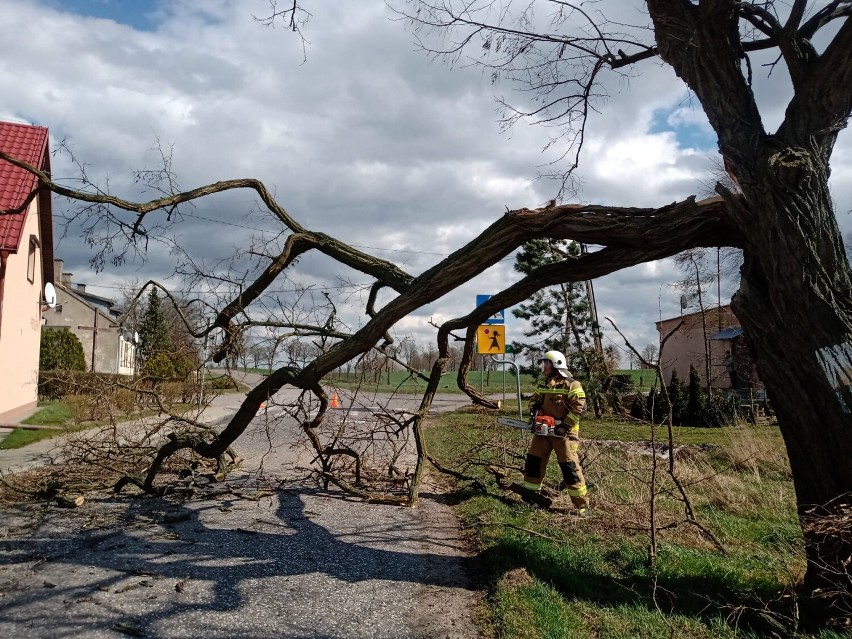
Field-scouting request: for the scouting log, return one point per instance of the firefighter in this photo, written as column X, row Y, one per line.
column 562, row 398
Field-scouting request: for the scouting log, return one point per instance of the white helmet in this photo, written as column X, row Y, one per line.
column 558, row 360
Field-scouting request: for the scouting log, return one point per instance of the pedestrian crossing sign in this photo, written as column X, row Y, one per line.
column 498, row 318
column 490, row 340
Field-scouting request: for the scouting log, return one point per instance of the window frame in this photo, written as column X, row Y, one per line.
column 31, row 258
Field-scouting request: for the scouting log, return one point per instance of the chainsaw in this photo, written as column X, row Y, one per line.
column 544, row 425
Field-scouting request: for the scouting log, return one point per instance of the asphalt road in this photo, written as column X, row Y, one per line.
column 292, row 561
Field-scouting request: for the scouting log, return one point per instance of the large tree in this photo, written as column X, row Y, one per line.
column 795, row 299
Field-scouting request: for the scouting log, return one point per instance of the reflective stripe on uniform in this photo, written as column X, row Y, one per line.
column 577, row 492
column 573, row 420
column 577, row 392
column 531, row 486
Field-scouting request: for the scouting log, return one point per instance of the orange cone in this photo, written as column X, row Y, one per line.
column 335, row 400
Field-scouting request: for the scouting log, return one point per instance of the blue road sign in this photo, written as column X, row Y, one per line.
column 498, row 318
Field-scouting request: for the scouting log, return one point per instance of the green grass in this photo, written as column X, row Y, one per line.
column 21, row 437
column 615, row 428
column 642, row 379
column 492, row 382
column 243, row 369
column 59, row 414
column 570, row 577
column 50, row 414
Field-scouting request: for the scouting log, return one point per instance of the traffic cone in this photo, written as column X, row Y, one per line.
column 335, row 400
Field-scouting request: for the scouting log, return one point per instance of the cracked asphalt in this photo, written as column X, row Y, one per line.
column 264, row 554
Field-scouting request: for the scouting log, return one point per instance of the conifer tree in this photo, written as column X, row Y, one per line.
column 153, row 331
column 558, row 316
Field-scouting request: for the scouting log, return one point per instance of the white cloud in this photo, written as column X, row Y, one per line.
column 365, row 139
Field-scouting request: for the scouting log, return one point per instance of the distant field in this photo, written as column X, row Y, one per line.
column 641, row 379
column 401, row 382
column 488, row 382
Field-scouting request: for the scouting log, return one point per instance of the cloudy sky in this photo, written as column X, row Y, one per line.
column 357, row 133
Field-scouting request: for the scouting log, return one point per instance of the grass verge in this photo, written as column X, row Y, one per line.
column 553, row 574
column 60, row 415
column 21, row 437
column 50, row 414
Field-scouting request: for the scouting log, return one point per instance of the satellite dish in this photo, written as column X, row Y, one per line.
column 683, row 302
column 50, row 295
column 135, row 337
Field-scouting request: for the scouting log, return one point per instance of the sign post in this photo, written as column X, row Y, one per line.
column 491, row 338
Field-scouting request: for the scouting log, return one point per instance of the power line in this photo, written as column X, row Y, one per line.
column 291, row 290
column 252, row 228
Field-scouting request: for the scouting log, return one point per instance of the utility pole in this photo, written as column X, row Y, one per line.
column 593, row 313
column 719, row 285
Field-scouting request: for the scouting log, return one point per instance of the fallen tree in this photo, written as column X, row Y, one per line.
column 795, row 298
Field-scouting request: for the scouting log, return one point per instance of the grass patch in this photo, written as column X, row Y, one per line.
column 489, row 382
column 53, row 413
column 61, row 416
column 21, row 437
column 641, row 379
column 552, row 574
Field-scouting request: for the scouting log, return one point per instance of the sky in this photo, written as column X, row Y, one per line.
column 356, row 132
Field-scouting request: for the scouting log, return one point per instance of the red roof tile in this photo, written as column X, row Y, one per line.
column 28, row 144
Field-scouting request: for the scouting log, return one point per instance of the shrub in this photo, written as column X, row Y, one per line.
column 639, row 407
column 616, row 386
column 61, row 350
column 718, row 411
column 171, row 392
column 84, row 408
column 223, row 382
column 125, row 400
column 160, row 366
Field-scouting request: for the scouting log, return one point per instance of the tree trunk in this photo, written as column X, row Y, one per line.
column 795, row 305
column 795, row 297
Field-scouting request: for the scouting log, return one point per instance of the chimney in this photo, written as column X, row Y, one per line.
column 81, row 288
column 57, row 271
column 66, row 279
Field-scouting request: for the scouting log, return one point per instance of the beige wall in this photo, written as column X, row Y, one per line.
column 113, row 354
column 687, row 346
column 20, row 332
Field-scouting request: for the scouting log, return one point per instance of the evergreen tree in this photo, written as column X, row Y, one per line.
column 678, row 398
column 559, row 316
column 61, row 350
column 153, row 330
column 695, row 398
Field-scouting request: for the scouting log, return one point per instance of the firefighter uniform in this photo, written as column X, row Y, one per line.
column 564, row 400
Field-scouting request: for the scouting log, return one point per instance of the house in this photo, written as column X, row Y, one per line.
column 107, row 346
column 26, row 264
column 716, row 332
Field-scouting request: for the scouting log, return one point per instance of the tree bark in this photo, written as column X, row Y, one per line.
column 795, row 296
column 794, row 305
